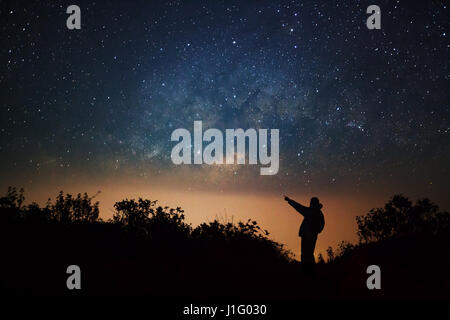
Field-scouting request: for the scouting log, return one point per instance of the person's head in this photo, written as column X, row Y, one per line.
column 315, row 203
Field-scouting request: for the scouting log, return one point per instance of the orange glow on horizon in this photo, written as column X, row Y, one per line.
column 269, row 210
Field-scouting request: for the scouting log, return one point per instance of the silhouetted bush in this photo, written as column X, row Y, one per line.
column 149, row 245
column 11, row 204
column 73, row 209
column 247, row 238
column 330, row 254
column 146, row 249
column 400, row 217
column 217, row 230
column 344, row 248
column 145, row 217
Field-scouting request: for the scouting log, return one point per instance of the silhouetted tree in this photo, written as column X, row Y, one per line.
column 133, row 213
column 216, row 229
column 153, row 220
column 345, row 248
column 246, row 238
column 73, row 209
column 400, row 217
column 33, row 213
column 11, row 204
column 330, row 254
column 65, row 209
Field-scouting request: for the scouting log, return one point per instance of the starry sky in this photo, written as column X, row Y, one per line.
column 362, row 114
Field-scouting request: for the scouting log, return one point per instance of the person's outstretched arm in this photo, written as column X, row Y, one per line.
column 297, row 206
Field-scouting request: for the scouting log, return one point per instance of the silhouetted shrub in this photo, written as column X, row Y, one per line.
column 400, row 217
column 155, row 221
column 65, row 209
column 150, row 250
column 330, row 254
column 243, row 237
column 13, row 199
column 216, row 229
column 69, row 209
column 345, row 248
column 11, row 204
column 133, row 213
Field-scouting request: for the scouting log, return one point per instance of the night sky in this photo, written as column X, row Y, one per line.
column 359, row 111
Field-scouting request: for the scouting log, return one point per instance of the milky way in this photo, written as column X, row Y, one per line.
column 352, row 104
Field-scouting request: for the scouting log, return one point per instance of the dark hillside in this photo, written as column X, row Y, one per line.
column 149, row 251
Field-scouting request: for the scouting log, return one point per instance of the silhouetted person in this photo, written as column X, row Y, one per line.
column 312, row 225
